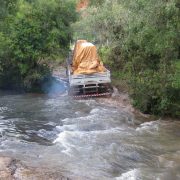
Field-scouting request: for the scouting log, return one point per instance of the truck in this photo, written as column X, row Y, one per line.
column 93, row 84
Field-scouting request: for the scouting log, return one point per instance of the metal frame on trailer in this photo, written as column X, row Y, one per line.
column 88, row 85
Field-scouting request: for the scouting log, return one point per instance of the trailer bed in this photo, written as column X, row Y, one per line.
column 86, row 85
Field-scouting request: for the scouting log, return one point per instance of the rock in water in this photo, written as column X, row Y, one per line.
column 6, row 172
column 11, row 169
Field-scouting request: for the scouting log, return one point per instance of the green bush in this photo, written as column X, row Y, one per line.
column 141, row 39
column 37, row 33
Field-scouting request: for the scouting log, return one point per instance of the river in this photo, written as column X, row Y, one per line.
column 87, row 139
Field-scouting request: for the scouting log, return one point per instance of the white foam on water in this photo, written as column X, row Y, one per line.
column 2, row 109
column 74, row 140
column 150, row 127
column 67, row 127
column 93, row 122
column 64, row 139
column 88, row 102
column 102, row 111
column 1, row 117
column 78, row 112
column 51, row 123
column 95, row 110
column 3, row 127
column 130, row 175
column 89, row 129
column 68, row 121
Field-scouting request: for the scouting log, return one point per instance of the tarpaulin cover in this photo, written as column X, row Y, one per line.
column 86, row 59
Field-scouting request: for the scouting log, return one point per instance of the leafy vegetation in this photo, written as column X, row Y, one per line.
column 31, row 34
column 140, row 39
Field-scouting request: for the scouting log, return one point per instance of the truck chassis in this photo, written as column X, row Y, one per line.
column 88, row 85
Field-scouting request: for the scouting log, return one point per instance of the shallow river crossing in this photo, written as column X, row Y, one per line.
column 87, row 139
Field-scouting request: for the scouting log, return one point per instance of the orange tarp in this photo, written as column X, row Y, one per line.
column 86, row 59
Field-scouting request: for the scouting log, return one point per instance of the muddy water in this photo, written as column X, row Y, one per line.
column 87, row 139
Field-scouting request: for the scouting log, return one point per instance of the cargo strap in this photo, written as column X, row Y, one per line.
column 92, row 95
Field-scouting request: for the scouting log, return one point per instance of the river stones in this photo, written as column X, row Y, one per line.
column 11, row 169
column 24, row 173
column 5, row 168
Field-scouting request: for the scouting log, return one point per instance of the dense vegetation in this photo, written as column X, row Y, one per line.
column 32, row 32
column 139, row 41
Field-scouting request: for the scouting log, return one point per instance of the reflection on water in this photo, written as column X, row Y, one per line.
column 87, row 139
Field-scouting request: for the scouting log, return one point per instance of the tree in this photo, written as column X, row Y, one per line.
column 141, row 39
column 39, row 31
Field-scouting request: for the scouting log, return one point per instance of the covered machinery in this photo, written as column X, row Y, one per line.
column 86, row 59
column 87, row 74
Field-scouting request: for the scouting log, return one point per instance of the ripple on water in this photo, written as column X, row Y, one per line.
column 2, row 117
column 87, row 138
column 3, row 109
column 148, row 127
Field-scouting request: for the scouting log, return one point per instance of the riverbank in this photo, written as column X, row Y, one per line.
column 122, row 101
column 11, row 169
column 121, row 98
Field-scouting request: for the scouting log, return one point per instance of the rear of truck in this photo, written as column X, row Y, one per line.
column 86, row 74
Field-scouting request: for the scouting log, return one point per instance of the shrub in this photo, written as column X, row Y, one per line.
column 39, row 31
column 141, row 39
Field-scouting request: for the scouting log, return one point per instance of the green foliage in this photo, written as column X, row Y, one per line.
column 176, row 79
column 140, row 38
column 7, row 6
column 151, row 48
column 96, row 2
column 39, row 31
column 102, row 23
